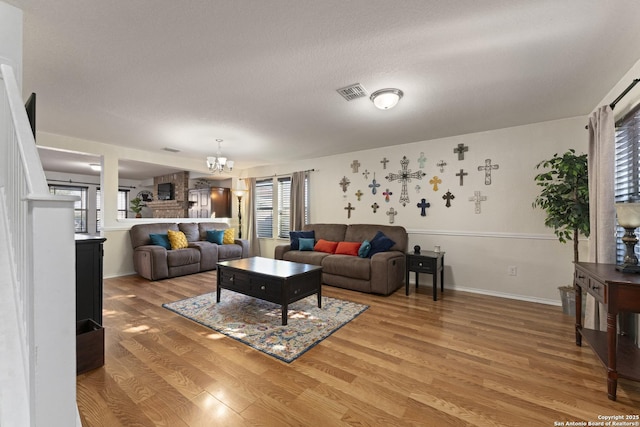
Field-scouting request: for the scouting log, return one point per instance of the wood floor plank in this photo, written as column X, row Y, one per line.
column 464, row 360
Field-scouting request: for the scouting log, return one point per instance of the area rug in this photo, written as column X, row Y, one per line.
column 258, row 323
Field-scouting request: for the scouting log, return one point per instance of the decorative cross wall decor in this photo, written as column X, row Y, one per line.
column 386, row 195
column 384, row 162
column 435, row 181
column 460, row 151
column 405, row 175
column 418, row 188
column 344, row 183
column 374, row 185
column 349, row 208
column 375, row 207
column 354, row 166
column 421, row 160
column 423, row 205
column 487, row 171
column 462, row 174
column 448, row 197
column 366, row 174
column 477, row 198
column 441, row 164
column 392, row 215
column 359, row 194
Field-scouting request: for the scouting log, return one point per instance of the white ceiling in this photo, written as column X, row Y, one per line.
column 262, row 74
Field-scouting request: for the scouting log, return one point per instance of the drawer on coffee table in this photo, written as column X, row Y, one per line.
column 264, row 286
column 234, row 280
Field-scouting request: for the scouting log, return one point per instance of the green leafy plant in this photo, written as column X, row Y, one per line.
column 565, row 196
column 136, row 206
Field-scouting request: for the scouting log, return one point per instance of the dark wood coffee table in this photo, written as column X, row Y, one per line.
column 276, row 281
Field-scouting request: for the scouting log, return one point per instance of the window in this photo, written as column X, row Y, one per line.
column 627, row 172
column 123, row 203
column 267, row 204
column 264, row 207
column 80, row 206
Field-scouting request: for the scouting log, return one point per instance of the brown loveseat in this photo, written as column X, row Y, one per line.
column 383, row 273
column 155, row 262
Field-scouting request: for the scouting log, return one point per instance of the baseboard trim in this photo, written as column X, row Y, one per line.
column 505, row 295
column 493, row 234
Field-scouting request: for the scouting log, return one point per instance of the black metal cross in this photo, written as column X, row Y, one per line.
column 405, row 175
column 349, row 208
column 462, row 174
column 487, row 171
column 375, row 207
column 423, row 205
column 448, row 197
column 460, row 151
column 384, row 162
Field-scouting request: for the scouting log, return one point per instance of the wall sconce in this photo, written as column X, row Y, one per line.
column 386, row 99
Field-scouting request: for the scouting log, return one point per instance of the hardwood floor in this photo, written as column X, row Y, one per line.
column 465, row 360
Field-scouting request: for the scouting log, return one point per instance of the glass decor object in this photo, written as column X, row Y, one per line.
column 629, row 219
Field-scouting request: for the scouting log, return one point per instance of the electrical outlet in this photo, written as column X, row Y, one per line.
column 512, row 270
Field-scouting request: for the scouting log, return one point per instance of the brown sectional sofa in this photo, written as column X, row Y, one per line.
column 383, row 273
column 154, row 262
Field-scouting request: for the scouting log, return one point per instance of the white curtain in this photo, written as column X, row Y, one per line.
column 250, row 214
column 602, row 214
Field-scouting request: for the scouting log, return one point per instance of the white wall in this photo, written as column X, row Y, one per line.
column 11, row 39
column 479, row 247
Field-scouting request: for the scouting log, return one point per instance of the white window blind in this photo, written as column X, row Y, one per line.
column 80, row 206
column 627, row 172
column 284, row 207
column 123, row 206
column 264, row 207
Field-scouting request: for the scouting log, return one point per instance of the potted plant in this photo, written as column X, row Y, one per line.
column 565, row 199
column 136, row 206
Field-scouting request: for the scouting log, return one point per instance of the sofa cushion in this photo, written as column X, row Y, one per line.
column 380, row 243
column 205, row 226
column 331, row 232
column 348, row 248
column 183, row 257
column 306, row 244
column 139, row 233
column 361, row 232
column 305, row 257
column 177, row 239
column 348, row 266
column 363, row 252
column 295, row 236
column 229, row 252
column 325, row 246
column 215, row 236
column 229, row 236
column 190, row 230
column 160, row 240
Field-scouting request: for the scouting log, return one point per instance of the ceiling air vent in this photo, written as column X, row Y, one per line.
column 352, row 92
column 171, row 150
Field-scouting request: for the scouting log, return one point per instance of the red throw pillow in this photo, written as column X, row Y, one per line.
column 326, row 246
column 348, row 248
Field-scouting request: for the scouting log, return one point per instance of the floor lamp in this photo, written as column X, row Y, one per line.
column 240, row 191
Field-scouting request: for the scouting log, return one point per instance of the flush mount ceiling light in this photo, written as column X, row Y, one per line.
column 95, row 166
column 219, row 164
column 385, row 99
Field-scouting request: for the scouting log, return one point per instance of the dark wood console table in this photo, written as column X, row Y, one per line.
column 620, row 292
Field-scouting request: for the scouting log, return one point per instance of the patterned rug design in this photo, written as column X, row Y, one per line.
column 258, row 323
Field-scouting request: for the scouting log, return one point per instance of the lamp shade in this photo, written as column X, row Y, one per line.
column 628, row 214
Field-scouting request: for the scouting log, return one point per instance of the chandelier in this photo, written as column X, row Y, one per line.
column 219, row 164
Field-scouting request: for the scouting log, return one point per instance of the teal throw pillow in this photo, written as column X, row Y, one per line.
column 306, row 244
column 296, row 235
column 215, row 236
column 160, row 240
column 363, row 252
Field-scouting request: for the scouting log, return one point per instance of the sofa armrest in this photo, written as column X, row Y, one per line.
column 387, row 272
column 150, row 262
column 245, row 246
column 280, row 250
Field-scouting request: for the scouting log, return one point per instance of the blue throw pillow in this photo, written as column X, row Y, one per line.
column 215, row 236
column 363, row 252
column 296, row 235
column 380, row 243
column 160, row 240
column 306, row 244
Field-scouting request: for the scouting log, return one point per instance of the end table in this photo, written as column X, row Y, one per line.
column 426, row 262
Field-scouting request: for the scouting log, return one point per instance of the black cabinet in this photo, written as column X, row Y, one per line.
column 89, row 254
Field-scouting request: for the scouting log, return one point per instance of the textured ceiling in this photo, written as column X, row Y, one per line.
column 262, row 75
